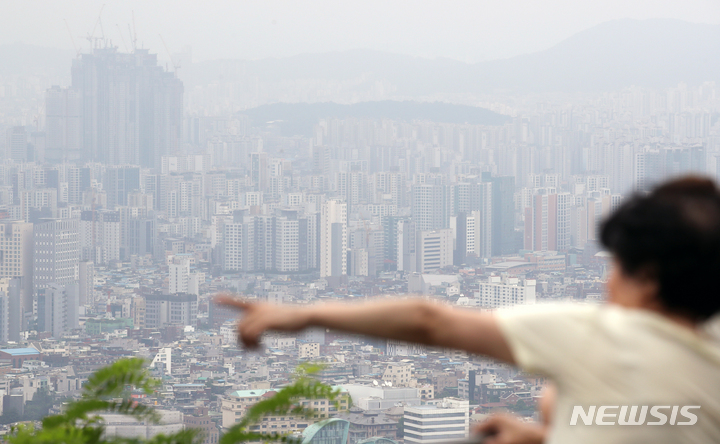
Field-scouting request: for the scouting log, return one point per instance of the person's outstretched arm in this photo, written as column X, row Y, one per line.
column 411, row 320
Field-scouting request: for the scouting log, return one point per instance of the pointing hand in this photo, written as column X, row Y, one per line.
column 260, row 317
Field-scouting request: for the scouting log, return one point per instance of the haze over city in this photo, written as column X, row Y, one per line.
column 468, row 31
column 157, row 155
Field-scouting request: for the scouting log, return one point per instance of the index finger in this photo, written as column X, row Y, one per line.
column 233, row 302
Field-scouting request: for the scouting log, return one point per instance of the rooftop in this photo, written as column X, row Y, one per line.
column 250, row 393
column 20, row 351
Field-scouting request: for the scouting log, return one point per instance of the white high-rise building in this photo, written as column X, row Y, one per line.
column 74, row 181
column 100, row 234
column 472, row 207
column 57, row 252
column 312, row 252
column 505, row 292
column 194, row 282
column 333, row 239
column 261, row 243
column 63, row 124
column 58, row 309
column 547, row 222
column 144, row 201
column 252, row 199
column 86, row 283
column 445, row 422
column 38, row 199
column 352, row 186
column 398, row 374
column 400, row 348
column 163, row 360
column 479, row 234
column 434, row 250
column 358, row 258
column 179, row 275
column 17, row 144
column 167, row 309
column 430, row 208
column 130, row 109
column 5, row 305
column 235, row 247
column 392, row 184
column 406, row 243
column 16, row 256
column 286, row 244
column 646, row 169
column 11, row 308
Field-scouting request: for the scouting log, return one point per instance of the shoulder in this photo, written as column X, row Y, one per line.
column 550, row 338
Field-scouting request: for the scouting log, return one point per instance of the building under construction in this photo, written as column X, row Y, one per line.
column 122, row 108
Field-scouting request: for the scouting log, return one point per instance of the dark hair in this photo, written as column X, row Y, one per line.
column 672, row 235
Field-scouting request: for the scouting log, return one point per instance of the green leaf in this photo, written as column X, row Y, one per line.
column 285, row 402
column 112, row 380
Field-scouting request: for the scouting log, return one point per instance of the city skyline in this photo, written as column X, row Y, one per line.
column 140, row 186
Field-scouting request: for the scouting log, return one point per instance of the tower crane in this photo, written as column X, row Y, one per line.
column 176, row 66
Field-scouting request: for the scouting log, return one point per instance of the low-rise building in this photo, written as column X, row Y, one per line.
column 365, row 424
column 309, row 350
column 236, row 404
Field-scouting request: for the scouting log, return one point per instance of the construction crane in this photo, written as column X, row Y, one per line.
column 77, row 51
column 122, row 39
column 176, row 66
column 131, row 37
column 91, row 37
column 134, row 39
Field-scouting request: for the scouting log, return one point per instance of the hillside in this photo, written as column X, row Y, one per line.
column 300, row 118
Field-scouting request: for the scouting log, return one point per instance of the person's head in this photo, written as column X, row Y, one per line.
column 667, row 249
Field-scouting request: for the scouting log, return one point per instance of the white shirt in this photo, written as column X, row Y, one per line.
column 606, row 355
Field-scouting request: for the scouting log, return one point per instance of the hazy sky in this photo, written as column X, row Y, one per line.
column 460, row 29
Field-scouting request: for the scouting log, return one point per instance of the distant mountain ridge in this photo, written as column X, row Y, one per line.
column 300, row 118
column 654, row 53
column 651, row 53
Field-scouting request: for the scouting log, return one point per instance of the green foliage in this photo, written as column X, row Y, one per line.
column 80, row 423
column 447, row 392
column 10, row 416
column 107, row 390
column 39, row 407
column 35, row 410
column 286, row 401
column 111, row 381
